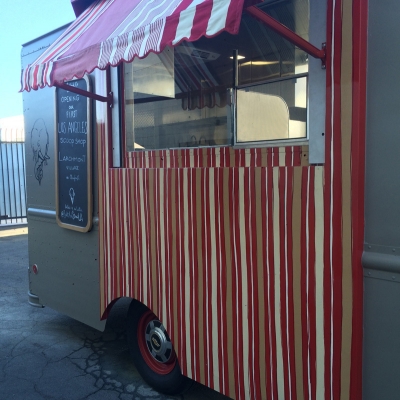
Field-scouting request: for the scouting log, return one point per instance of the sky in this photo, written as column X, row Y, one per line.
column 22, row 21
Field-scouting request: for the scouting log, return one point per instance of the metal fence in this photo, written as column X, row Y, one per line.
column 12, row 177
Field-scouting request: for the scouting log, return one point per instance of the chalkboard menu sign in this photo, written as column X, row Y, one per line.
column 73, row 158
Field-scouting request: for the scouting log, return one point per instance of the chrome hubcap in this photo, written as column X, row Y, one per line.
column 158, row 341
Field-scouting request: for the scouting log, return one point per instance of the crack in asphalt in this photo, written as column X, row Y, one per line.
column 92, row 366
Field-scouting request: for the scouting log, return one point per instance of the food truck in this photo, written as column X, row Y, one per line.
column 232, row 167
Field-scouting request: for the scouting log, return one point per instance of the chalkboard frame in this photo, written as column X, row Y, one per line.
column 89, row 183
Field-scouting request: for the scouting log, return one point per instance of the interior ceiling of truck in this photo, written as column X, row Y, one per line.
column 269, row 55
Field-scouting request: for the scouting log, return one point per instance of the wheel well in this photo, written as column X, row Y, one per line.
column 117, row 300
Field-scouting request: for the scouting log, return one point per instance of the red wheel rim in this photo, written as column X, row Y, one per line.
column 155, row 344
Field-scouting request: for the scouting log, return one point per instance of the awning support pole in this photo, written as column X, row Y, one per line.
column 94, row 96
column 288, row 34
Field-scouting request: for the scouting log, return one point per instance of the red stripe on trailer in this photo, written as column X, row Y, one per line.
column 190, row 323
column 283, row 281
column 337, row 207
column 103, row 221
column 118, row 237
column 143, row 234
column 156, row 244
column 179, row 260
column 256, row 278
column 227, row 160
column 123, row 276
column 288, row 155
column 265, row 306
column 135, row 205
column 224, row 279
column 328, row 276
column 252, row 157
column 155, row 265
column 169, row 236
column 204, row 179
column 218, row 284
column 250, row 243
column 209, row 266
column 233, row 214
column 195, row 258
column 180, row 257
column 174, row 260
column 124, row 228
column 248, row 272
column 275, row 156
column 204, row 276
column 312, row 281
column 131, row 256
column 183, row 262
column 271, row 256
column 296, row 156
column 113, row 236
column 269, row 157
column 304, row 284
column 147, row 189
column 360, row 20
column 289, row 255
column 146, row 249
column 119, row 226
column 259, row 154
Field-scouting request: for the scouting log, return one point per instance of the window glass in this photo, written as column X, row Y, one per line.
column 272, row 111
column 184, row 97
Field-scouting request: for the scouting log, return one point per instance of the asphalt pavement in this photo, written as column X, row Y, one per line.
column 47, row 355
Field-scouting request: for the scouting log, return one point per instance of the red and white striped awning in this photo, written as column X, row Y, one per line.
column 109, row 32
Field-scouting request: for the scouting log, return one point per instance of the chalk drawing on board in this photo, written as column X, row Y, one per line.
column 72, row 195
column 40, row 147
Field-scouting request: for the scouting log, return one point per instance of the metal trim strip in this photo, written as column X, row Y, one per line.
column 381, row 262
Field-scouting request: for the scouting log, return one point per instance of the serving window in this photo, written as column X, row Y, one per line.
column 189, row 96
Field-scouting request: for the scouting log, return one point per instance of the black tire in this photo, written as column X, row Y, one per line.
column 164, row 373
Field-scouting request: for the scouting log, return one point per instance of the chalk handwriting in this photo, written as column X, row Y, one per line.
column 72, row 215
column 77, row 127
column 71, row 113
column 72, row 177
column 72, row 141
column 80, row 159
column 67, row 99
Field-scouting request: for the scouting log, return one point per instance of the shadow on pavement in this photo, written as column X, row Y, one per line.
column 46, row 355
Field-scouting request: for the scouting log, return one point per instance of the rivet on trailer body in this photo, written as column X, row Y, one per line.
column 35, row 269
column 393, row 278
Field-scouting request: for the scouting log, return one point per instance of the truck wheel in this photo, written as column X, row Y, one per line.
column 152, row 351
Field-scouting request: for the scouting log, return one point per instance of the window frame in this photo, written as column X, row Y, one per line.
column 316, row 99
